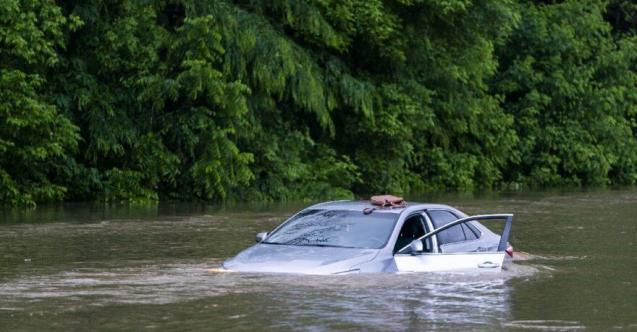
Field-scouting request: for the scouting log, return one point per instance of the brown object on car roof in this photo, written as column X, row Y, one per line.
column 387, row 201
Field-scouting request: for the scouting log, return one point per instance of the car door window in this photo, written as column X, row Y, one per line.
column 453, row 234
column 469, row 232
column 412, row 229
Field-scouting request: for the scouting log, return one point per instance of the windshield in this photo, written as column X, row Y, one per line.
column 336, row 228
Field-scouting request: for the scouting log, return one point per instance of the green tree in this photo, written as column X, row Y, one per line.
column 571, row 89
column 157, row 114
column 310, row 99
column 35, row 137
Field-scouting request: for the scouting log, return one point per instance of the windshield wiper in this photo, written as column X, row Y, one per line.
column 308, row 245
column 325, row 245
column 279, row 243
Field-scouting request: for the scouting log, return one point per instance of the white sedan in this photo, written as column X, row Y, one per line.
column 344, row 237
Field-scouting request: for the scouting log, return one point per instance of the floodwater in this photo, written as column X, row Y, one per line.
column 115, row 268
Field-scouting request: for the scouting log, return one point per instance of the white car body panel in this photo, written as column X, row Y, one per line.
column 455, row 262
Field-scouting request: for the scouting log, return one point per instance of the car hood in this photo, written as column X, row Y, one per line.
column 299, row 259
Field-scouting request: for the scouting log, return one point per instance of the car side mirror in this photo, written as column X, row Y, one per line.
column 416, row 246
column 261, row 236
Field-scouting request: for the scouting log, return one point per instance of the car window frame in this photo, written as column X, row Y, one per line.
column 471, row 227
column 477, row 232
column 504, row 236
column 426, row 224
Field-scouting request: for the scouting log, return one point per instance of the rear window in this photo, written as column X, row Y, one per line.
column 458, row 233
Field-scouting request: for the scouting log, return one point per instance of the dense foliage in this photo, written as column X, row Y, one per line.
column 289, row 99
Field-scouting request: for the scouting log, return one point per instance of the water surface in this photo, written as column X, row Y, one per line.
column 84, row 267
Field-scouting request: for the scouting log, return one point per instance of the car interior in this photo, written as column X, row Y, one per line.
column 413, row 228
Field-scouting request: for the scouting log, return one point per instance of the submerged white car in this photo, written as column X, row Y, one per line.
column 345, row 237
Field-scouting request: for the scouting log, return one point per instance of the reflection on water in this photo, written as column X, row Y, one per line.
column 85, row 268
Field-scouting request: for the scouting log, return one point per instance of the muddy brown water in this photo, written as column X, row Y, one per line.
column 117, row 268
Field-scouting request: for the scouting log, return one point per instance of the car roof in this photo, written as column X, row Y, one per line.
column 360, row 205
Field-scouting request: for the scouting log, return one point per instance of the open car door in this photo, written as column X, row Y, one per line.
column 409, row 259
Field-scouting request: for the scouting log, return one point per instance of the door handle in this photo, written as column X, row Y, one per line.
column 488, row 265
